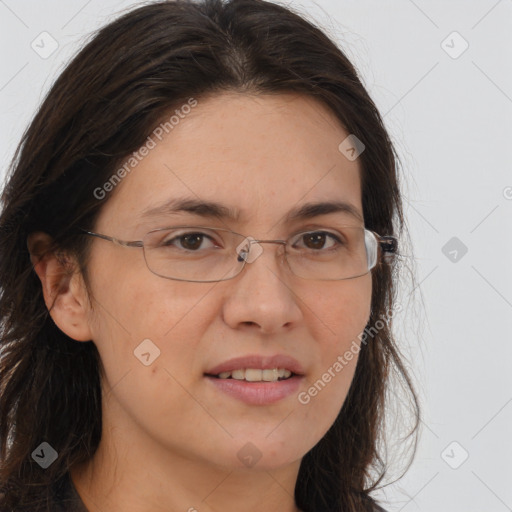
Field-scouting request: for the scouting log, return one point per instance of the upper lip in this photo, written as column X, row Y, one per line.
column 260, row 362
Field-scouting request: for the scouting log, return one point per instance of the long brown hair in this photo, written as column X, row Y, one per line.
column 99, row 111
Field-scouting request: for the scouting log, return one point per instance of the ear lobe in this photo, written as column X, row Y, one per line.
column 64, row 292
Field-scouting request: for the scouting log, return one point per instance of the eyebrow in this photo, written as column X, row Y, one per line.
column 212, row 209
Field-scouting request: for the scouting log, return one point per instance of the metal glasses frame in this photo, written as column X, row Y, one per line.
column 387, row 244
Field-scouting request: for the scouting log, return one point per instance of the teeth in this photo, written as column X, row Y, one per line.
column 270, row 375
column 253, row 375
column 257, row 375
column 238, row 374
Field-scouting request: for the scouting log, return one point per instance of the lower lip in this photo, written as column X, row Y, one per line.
column 258, row 393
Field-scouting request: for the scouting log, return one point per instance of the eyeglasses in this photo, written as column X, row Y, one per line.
column 207, row 254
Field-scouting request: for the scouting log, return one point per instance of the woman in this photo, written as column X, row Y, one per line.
column 198, row 273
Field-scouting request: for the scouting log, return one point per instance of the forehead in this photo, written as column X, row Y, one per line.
column 259, row 155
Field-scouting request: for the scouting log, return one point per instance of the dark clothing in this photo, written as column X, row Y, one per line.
column 68, row 499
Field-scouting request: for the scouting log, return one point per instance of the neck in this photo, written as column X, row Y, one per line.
column 131, row 472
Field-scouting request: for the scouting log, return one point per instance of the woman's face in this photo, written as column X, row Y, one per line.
column 261, row 157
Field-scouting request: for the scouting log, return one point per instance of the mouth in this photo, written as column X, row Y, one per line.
column 257, row 380
column 256, row 374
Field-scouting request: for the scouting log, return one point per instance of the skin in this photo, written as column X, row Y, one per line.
column 170, row 439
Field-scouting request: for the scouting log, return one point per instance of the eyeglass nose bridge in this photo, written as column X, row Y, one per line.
column 250, row 255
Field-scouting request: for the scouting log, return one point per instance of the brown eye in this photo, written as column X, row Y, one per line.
column 191, row 242
column 317, row 240
column 188, row 241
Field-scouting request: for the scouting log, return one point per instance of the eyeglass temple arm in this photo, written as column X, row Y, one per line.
column 136, row 243
column 388, row 244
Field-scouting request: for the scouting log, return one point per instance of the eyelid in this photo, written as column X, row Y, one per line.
column 208, row 233
column 324, row 227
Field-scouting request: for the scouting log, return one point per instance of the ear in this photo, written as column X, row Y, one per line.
column 64, row 290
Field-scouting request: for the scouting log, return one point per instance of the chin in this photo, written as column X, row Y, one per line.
column 254, row 454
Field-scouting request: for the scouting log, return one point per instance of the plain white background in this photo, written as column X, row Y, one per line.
column 446, row 99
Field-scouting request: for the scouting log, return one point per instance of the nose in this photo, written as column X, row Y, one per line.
column 261, row 296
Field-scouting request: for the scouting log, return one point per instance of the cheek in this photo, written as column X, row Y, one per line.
column 339, row 318
column 132, row 299
column 132, row 305
column 148, row 330
column 339, row 312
